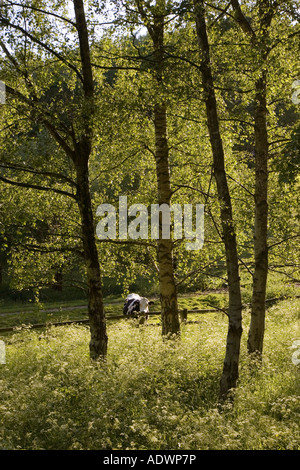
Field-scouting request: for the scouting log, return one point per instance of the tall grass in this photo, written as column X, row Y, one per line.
column 150, row 394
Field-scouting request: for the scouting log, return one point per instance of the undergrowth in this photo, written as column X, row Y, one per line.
column 150, row 393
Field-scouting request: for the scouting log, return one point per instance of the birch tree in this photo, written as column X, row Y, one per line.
column 154, row 17
column 231, row 362
column 28, row 31
column 262, row 43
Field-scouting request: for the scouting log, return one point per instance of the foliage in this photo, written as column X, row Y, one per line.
column 150, row 393
column 122, row 160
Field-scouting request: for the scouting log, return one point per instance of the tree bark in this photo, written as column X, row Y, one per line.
column 58, row 281
column 231, row 362
column 79, row 151
column 168, row 291
column 259, row 42
column 97, row 320
column 83, row 146
column 258, row 306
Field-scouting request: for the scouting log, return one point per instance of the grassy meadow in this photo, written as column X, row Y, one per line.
column 150, row 394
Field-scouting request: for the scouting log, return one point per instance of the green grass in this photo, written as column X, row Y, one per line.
column 30, row 313
column 35, row 313
column 150, row 394
column 10, row 306
column 17, row 314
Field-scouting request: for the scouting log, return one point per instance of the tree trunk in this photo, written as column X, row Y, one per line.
column 97, row 321
column 168, row 293
column 78, row 149
column 99, row 340
column 58, row 281
column 231, row 362
column 260, row 43
column 258, row 308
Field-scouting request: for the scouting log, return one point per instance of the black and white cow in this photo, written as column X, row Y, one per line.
column 134, row 304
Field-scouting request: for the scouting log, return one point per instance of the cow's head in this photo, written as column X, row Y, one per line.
column 144, row 304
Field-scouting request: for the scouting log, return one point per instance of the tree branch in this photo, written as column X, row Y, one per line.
column 33, row 103
column 6, row 22
column 242, row 20
column 55, row 15
column 81, row 26
column 128, row 242
column 283, row 241
column 36, row 172
column 37, row 187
